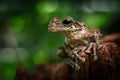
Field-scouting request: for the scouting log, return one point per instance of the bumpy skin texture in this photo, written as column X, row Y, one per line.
column 77, row 39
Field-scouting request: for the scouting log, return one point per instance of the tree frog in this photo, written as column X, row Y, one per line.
column 77, row 38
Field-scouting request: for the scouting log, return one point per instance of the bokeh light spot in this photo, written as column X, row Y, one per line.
column 46, row 7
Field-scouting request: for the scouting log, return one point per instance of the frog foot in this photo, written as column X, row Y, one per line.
column 100, row 46
column 88, row 51
column 73, row 64
column 76, row 67
column 95, row 57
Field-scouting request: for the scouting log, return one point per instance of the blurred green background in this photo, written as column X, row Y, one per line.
column 24, row 37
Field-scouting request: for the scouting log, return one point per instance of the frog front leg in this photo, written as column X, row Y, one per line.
column 95, row 51
column 79, row 49
column 72, row 63
column 75, row 60
column 92, row 47
column 65, row 52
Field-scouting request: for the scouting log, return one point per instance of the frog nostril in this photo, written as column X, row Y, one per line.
column 71, row 27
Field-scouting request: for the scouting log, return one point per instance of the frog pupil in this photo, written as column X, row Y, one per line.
column 67, row 22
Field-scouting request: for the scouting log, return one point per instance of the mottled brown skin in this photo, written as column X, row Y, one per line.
column 106, row 67
column 77, row 38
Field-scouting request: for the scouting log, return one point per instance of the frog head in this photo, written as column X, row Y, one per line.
column 68, row 26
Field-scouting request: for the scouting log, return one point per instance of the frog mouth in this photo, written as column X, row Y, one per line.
column 52, row 29
column 62, row 29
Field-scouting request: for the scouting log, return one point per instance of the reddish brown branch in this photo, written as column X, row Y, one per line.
column 107, row 67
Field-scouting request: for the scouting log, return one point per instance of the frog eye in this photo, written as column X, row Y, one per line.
column 67, row 21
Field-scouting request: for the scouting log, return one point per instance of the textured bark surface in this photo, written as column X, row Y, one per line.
column 107, row 67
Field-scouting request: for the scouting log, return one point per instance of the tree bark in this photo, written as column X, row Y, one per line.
column 107, row 67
